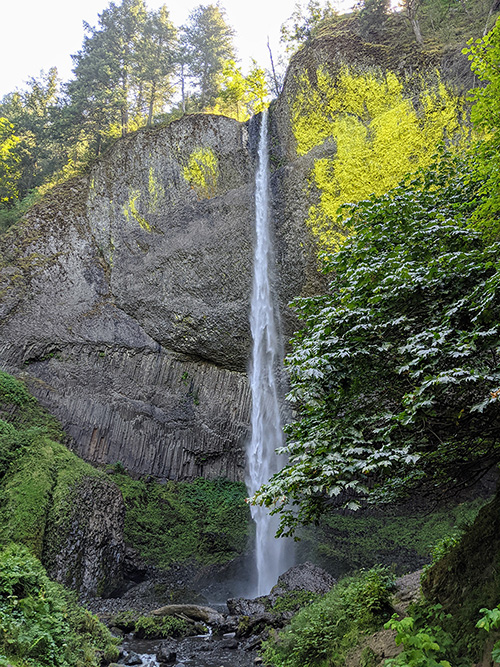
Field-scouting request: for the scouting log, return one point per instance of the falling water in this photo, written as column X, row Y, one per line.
column 266, row 422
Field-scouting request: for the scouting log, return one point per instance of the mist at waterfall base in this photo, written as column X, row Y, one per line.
column 272, row 555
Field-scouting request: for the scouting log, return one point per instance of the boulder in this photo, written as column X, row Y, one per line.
column 306, row 577
column 192, row 611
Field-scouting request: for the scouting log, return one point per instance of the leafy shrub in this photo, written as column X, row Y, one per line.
column 491, row 621
column 395, row 376
column 293, row 600
column 422, row 636
column 322, row 633
column 41, row 623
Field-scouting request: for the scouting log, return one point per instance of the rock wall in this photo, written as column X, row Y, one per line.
column 84, row 547
column 124, row 298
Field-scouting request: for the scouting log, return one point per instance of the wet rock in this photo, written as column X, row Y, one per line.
column 306, row 577
column 246, row 607
column 165, row 656
column 229, row 643
column 132, row 659
column 84, row 549
column 192, row 611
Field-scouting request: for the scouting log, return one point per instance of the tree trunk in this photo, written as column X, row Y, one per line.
column 277, row 90
column 416, row 30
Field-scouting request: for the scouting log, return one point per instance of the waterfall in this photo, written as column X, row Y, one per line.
column 266, row 357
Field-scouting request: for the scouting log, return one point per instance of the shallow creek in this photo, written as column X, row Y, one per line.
column 202, row 651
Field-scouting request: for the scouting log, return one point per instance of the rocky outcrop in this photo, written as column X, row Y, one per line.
column 124, row 299
column 83, row 541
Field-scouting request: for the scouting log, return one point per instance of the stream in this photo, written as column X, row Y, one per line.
column 201, row 651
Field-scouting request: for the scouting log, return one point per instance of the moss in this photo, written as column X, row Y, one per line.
column 467, row 578
column 406, row 540
column 39, row 474
column 154, row 627
column 203, row 521
column 374, row 128
column 130, row 210
column 202, row 173
column 156, row 191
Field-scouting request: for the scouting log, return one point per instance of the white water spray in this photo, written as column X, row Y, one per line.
column 266, row 354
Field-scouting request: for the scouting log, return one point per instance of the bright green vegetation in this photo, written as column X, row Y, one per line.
column 292, row 601
column 395, row 376
column 202, row 173
column 380, row 132
column 396, row 373
column 342, row 543
column 323, row 633
column 202, row 521
column 155, row 627
column 42, row 626
column 38, row 473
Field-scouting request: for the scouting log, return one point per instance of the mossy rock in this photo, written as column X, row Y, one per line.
column 468, row 577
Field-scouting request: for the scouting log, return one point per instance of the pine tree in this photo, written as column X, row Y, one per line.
column 102, row 92
column 208, row 41
column 156, row 62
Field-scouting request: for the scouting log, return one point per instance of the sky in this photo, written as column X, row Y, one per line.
column 40, row 34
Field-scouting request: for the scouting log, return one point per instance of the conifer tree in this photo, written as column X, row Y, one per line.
column 208, row 41
column 156, row 62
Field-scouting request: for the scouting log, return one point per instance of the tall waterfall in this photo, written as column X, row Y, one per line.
column 266, row 356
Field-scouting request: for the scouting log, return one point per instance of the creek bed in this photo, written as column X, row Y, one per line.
column 201, row 651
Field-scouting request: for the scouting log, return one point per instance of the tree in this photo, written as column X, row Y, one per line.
column 372, row 15
column 303, row 21
column 157, row 61
column 9, row 163
column 241, row 96
column 35, row 114
column 410, row 9
column 396, row 375
column 101, row 94
column 208, row 42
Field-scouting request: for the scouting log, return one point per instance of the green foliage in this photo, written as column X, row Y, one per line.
column 155, row 627
column 241, row 96
column 491, row 621
column 208, row 44
column 322, row 633
column 396, row 374
column 41, row 623
column 484, row 55
column 396, row 538
column 379, row 132
column 9, row 162
column 12, row 214
column 303, row 23
column 202, row 173
column 424, row 645
column 205, row 521
column 372, row 16
column 293, row 600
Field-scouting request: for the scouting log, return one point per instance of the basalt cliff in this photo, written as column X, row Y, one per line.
column 125, row 298
column 124, row 295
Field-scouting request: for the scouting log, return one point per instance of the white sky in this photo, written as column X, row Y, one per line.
column 39, row 34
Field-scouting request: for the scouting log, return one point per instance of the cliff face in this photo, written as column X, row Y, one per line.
column 125, row 299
